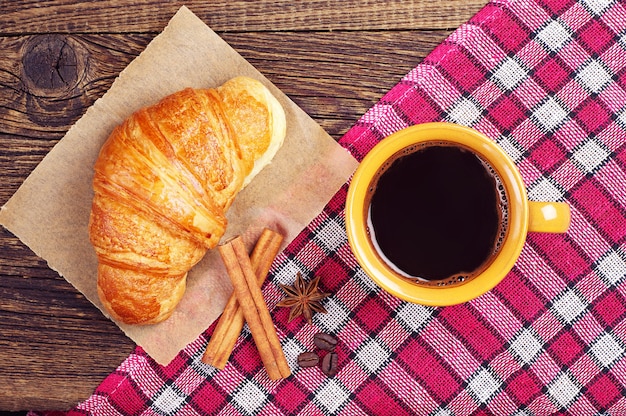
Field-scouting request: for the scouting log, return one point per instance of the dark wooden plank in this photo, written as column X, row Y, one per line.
column 54, row 345
column 353, row 68
column 33, row 16
column 49, row 80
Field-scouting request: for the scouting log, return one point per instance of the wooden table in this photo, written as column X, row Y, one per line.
column 333, row 58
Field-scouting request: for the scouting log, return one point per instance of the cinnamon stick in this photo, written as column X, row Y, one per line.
column 254, row 309
column 231, row 322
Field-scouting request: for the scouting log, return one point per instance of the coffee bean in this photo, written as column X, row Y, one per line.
column 329, row 364
column 308, row 359
column 325, row 341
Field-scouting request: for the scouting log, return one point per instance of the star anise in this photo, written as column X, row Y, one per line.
column 303, row 298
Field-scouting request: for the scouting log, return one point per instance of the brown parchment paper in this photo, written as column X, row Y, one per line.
column 50, row 211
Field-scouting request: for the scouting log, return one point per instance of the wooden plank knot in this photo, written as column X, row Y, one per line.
column 52, row 64
column 53, row 70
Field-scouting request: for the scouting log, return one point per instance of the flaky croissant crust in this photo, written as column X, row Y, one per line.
column 163, row 182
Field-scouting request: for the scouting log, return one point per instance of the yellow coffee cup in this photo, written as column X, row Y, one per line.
column 522, row 216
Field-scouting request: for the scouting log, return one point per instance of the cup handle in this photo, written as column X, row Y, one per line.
column 548, row 217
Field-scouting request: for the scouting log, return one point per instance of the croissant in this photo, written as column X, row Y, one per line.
column 163, row 182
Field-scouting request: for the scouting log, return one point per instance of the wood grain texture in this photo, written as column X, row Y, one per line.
column 334, row 59
column 140, row 16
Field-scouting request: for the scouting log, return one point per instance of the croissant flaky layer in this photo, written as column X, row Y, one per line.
column 163, row 182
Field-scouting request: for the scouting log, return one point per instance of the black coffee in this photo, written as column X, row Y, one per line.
column 436, row 213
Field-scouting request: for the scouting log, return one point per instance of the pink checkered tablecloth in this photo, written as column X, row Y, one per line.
column 547, row 81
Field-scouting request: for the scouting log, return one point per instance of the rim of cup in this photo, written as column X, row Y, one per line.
column 357, row 212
